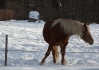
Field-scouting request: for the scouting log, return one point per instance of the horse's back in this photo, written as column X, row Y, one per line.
column 54, row 34
column 46, row 30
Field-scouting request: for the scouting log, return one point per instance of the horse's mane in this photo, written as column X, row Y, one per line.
column 70, row 27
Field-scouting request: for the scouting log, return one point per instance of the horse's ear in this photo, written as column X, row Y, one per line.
column 85, row 24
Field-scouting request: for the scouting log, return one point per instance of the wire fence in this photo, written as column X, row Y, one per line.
column 45, row 51
column 8, row 50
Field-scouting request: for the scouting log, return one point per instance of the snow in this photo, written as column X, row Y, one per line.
column 27, row 48
column 33, row 14
column 49, row 68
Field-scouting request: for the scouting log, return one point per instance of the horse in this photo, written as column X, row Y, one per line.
column 57, row 33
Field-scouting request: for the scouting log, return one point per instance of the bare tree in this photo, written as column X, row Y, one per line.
column 2, row 4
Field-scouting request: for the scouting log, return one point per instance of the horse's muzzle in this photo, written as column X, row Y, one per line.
column 91, row 42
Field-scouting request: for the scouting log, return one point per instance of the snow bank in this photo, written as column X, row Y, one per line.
column 33, row 14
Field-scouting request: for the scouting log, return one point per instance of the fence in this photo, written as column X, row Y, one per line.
column 7, row 14
column 86, row 11
column 6, row 50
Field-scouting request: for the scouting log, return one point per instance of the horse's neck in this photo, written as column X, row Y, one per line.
column 70, row 27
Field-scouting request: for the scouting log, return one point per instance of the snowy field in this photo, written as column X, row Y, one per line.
column 27, row 47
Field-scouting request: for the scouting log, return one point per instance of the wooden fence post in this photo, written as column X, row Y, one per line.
column 6, row 49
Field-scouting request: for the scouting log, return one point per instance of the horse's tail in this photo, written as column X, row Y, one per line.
column 56, row 52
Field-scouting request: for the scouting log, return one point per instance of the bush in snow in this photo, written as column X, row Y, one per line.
column 34, row 16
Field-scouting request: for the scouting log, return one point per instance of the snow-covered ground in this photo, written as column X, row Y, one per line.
column 51, row 68
column 26, row 38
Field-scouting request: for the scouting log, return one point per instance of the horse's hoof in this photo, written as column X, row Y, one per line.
column 54, row 62
column 63, row 62
column 41, row 63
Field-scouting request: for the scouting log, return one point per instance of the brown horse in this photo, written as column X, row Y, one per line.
column 56, row 33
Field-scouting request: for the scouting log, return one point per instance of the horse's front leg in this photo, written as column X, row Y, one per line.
column 63, row 47
column 47, row 54
column 63, row 61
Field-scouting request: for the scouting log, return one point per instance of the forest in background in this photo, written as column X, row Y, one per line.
column 84, row 10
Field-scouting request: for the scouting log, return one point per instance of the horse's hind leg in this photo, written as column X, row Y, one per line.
column 47, row 54
column 55, row 54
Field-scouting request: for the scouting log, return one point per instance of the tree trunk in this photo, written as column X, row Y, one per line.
column 2, row 4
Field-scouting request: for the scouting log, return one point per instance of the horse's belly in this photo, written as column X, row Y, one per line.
column 58, row 41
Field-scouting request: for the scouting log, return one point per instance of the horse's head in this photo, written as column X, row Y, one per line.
column 86, row 34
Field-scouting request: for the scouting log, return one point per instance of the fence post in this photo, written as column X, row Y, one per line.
column 6, row 49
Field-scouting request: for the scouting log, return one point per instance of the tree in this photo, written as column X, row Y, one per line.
column 2, row 4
